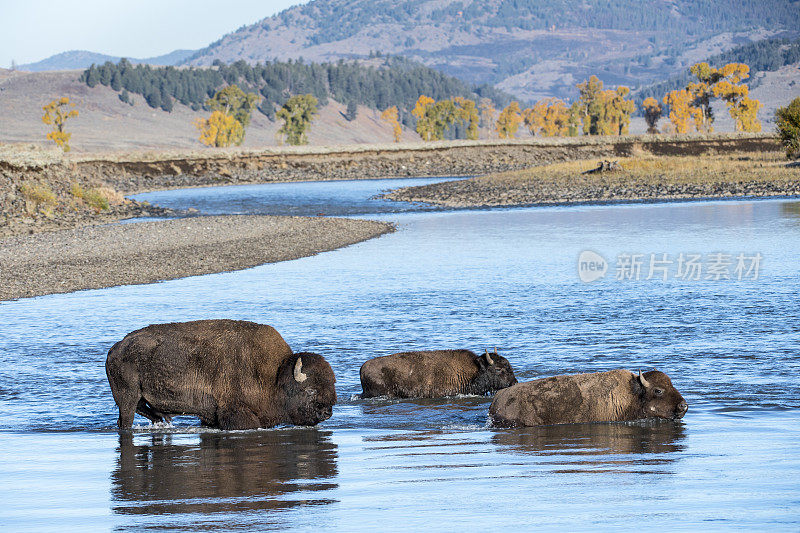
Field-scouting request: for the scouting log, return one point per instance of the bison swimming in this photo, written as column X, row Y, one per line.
column 613, row 396
column 434, row 374
column 231, row 374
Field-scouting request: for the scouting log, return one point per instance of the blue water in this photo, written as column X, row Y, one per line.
column 331, row 198
column 474, row 279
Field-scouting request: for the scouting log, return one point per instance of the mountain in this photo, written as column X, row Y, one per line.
column 532, row 48
column 80, row 59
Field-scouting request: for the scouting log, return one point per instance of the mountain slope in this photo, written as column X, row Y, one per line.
column 532, row 48
column 105, row 123
column 80, row 59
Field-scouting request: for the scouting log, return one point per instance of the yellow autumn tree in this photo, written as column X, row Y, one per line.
column 390, row 115
column 219, row 130
column 434, row 118
column 533, row 117
column 652, row 112
column 424, row 121
column 549, row 117
column 723, row 82
column 602, row 112
column 467, row 112
column 589, row 106
column 56, row 113
column 231, row 108
column 681, row 112
column 743, row 109
column 618, row 110
column 508, row 122
column 701, row 92
column 556, row 119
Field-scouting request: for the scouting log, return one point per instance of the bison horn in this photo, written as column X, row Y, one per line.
column 298, row 371
column 488, row 357
column 643, row 381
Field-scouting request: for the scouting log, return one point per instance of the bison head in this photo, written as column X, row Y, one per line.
column 659, row 398
column 308, row 382
column 494, row 373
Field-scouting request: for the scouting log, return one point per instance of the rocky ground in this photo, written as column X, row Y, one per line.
column 145, row 252
column 636, row 178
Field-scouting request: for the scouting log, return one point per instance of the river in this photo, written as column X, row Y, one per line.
column 505, row 278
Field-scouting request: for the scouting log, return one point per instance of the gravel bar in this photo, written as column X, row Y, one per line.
column 94, row 257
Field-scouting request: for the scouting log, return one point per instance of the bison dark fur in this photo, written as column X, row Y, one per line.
column 613, row 396
column 434, row 374
column 231, row 374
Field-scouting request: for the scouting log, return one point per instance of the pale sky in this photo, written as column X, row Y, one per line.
column 31, row 30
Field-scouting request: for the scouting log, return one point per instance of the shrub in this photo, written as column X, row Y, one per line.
column 38, row 196
column 787, row 121
column 100, row 198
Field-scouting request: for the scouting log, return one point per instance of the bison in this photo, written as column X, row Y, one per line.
column 231, row 374
column 434, row 374
column 613, row 396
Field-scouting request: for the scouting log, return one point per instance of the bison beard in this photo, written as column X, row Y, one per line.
column 231, row 374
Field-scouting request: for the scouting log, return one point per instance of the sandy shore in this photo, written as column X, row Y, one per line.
column 121, row 254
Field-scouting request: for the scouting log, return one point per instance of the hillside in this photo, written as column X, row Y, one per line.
column 75, row 59
column 766, row 55
column 532, row 48
column 106, row 123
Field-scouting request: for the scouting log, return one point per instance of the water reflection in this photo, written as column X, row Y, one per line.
column 222, row 476
column 597, row 447
column 791, row 210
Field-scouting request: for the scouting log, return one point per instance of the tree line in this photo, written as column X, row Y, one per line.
column 600, row 111
column 396, row 81
column 596, row 111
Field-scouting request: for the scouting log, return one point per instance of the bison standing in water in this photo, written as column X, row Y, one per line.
column 434, row 374
column 613, row 396
column 231, row 374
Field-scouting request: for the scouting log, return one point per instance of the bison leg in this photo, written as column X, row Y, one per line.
column 127, row 408
column 237, row 417
column 151, row 414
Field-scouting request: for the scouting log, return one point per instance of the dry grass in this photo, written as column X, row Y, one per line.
column 100, row 198
column 765, row 166
column 21, row 155
column 38, row 198
column 644, row 177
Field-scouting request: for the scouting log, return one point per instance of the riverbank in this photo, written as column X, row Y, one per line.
column 42, row 189
column 135, row 172
column 122, row 254
column 645, row 177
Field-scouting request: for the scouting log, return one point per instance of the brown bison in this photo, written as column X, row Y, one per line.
column 434, row 374
column 613, row 396
column 231, row 374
